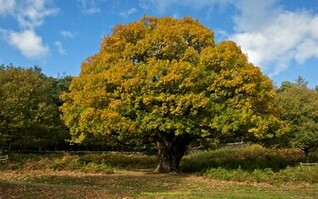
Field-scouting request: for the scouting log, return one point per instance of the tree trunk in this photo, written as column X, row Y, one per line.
column 171, row 149
column 306, row 151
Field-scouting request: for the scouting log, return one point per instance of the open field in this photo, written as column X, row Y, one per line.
column 249, row 172
column 139, row 184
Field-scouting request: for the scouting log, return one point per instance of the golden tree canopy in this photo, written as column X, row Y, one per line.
column 166, row 77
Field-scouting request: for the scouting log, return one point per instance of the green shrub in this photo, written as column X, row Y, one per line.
column 94, row 162
column 223, row 174
column 288, row 175
column 247, row 158
column 121, row 160
column 96, row 168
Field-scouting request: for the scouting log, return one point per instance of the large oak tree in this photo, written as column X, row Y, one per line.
column 166, row 80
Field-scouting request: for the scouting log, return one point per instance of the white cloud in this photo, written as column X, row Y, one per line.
column 88, row 7
column 254, row 14
column 31, row 13
column 59, row 47
column 67, row 34
column 92, row 10
column 128, row 12
column 28, row 43
column 271, row 36
column 306, row 50
column 7, row 6
column 274, row 39
column 28, row 13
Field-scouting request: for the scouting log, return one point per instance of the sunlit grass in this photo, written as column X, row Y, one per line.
column 288, row 175
column 59, row 184
column 222, row 173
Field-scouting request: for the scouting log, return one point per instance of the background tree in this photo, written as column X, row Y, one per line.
column 59, row 84
column 165, row 80
column 285, row 85
column 299, row 106
column 300, row 81
column 29, row 117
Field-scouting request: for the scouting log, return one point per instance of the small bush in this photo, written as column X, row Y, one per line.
column 223, row 174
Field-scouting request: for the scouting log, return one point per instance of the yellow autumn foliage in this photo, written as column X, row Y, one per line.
column 164, row 75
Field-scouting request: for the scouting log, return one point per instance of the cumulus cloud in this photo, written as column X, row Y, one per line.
column 28, row 43
column 7, row 6
column 89, row 7
column 128, row 12
column 59, row 47
column 32, row 13
column 273, row 39
column 270, row 35
column 306, row 50
column 255, row 14
column 29, row 15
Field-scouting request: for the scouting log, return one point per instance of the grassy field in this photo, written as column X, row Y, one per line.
column 249, row 172
column 139, row 184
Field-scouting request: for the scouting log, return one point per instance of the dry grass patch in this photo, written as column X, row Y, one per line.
column 137, row 184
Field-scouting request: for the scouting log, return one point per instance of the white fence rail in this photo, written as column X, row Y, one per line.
column 4, row 158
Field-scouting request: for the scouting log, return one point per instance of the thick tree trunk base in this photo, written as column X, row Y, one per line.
column 165, row 169
column 306, row 151
column 171, row 149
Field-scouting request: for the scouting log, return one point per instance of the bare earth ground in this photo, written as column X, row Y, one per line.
column 138, row 184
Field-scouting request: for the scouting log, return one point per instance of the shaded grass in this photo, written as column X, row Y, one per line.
column 121, row 160
column 104, row 162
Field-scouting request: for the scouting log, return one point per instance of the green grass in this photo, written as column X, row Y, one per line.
column 288, row 175
column 248, row 172
column 138, row 184
column 253, row 163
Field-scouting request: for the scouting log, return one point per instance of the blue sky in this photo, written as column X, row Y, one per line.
column 279, row 36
